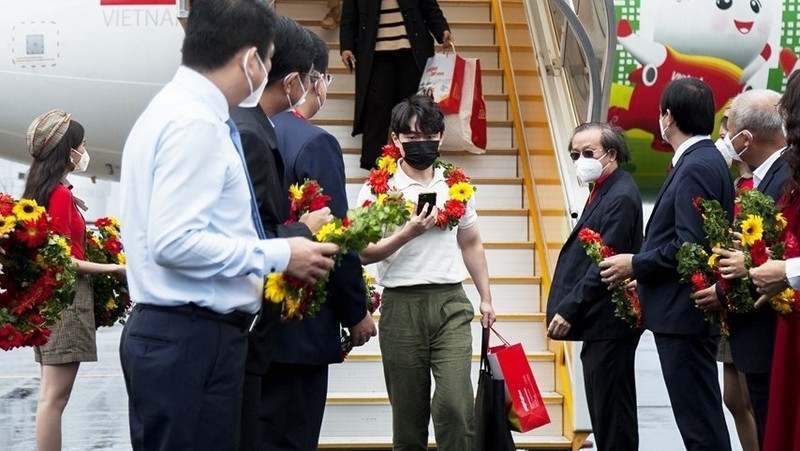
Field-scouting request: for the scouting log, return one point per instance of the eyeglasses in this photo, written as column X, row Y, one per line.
column 328, row 78
column 588, row 153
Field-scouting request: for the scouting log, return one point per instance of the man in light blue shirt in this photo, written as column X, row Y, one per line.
column 196, row 260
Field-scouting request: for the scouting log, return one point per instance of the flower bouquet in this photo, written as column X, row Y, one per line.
column 37, row 275
column 111, row 299
column 373, row 299
column 460, row 189
column 626, row 302
column 362, row 226
column 694, row 267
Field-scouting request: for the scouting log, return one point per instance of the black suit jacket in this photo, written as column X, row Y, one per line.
column 310, row 152
column 753, row 334
column 265, row 167
column 577, row 293
column 358, row 32
column 666, row 305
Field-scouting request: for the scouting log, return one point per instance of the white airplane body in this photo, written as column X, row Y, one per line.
column 101, row 60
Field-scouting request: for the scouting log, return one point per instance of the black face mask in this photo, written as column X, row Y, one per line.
column 421, row 155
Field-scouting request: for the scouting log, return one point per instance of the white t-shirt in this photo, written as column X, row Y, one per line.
column 433, row 257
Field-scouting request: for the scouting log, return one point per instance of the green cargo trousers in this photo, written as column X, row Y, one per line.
column 425, row 329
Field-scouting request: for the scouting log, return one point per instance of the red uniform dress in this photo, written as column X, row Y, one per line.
column 783, row 414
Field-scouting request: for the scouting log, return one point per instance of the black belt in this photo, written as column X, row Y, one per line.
column 239, row 319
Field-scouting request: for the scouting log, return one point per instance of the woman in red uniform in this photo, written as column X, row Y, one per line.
column 783, row 415
column 57, row 146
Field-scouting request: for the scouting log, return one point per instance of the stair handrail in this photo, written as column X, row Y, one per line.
column 522, row 144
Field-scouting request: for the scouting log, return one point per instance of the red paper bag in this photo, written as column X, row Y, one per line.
column 443, row 79
column 466, row 129
column 526, row 409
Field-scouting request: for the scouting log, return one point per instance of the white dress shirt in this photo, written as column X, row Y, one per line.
column 761, row 171
column 433, row 257
column 186, row 219
column 793, row 272
column 685, row 146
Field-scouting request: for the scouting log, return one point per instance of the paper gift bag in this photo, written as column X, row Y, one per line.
column 466, row 129
column 491, row 421
column 525, row 407
column 443, row 79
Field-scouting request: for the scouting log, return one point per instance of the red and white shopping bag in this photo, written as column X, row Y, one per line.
column 443, row 79
column 466, row 129
column 525, row 406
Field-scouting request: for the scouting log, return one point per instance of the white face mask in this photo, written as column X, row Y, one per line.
column 255, row 94
column 589, row 170
column 83, row 162
column 663, row 129
column 723, row 149
column 728, row 142
column 302, row 98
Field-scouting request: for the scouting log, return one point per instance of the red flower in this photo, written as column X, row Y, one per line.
column 33, row 233
column 699, row 281
column 792, row 246
column 376, row 301
column 366, row 203
column 103, row 222
column 758, row 252
column 455, row 209
column 606, row 251
column 6, row 204
column 441, row 219
column 589, row 236
column 346, row 222
column 37, row 337
column 390, row 150
column 10, row 337
column 379, row 180
column 456, row 175
column 319, row 202
column 696, row 203
column 113, row 245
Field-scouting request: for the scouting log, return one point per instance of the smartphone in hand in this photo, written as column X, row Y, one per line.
column 426, row 198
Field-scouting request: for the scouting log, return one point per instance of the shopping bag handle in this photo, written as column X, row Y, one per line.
column 505, row 342
column 485, row 350
column 445, row 51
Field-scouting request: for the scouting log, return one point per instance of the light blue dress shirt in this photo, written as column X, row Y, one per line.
column 186, row 221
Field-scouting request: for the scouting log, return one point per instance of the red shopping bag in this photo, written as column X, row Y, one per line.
column 443, row 79
column 466, row 129
column 525, row 406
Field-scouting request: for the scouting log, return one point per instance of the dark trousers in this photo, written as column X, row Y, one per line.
column 251, row 410
column 292, row 404
column 688, row 363
column 183, row 373
column 758, row 386
column 608, row 373
column 394, row 77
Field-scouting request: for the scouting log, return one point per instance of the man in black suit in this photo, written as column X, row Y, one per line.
column 292, row 56
column 686, row 343
column 295, row 387
column 579, row 306
column 386, row 43
column 755, row 136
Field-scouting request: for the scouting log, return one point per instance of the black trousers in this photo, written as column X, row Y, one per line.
column 610, row 382
column 758, row 387
column 689, row 366
column 183, row 374
column 394, row 77
column 292, row 404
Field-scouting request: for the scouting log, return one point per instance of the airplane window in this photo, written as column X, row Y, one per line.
column 35, row 44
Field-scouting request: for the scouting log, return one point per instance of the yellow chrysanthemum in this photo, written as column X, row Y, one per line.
column 7, row 224
column 27, row 210
column 381, row 199
column 782, row 302
column 295, row 191
column 110, row 304
column 110, row 231
column 780, row 221
column 61, row 241
column 292, row 308
column 410, row 206
column 274, row 290
column 752, row 229
column 368, row 279
column 387, row 163
column 121, row 259
column 461, row 191
column 713, row 260
column 114, row 221
column 326, row 231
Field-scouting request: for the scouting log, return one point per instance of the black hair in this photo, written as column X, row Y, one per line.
column 294, row 50
column 789, row 107
column 46, row 173
column 321, row 55
column 610, row 139
column 692, row 105
column 217, row 29
column 429, row 117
